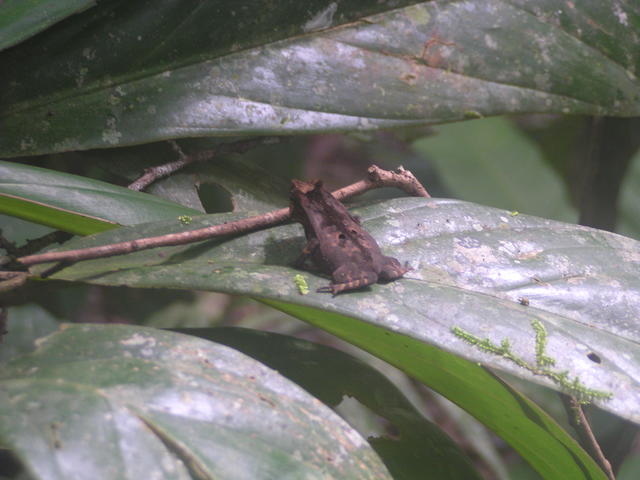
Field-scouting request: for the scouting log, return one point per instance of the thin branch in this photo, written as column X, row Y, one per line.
column 378, row 178
column 401, row 178
column 241, row 226
column 56, row 268
column 580, row 423
column 8, row 262
column 157, row 172
column 39, row 243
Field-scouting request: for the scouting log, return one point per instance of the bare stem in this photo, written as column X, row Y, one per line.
column 157, row 172
column 378, row 178
column 579, row 421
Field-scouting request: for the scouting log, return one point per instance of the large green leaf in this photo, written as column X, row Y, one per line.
column 527, row 428
column 21, row 19
column 473, row 266
column 410, row 445
column 143, row 71
column 77, row 204
column 630, row 200
column 129, row 402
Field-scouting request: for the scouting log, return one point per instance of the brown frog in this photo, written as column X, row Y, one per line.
column 336, row 242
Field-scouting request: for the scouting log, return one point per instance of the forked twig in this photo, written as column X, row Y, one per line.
column 378, row 177
column 157, row 172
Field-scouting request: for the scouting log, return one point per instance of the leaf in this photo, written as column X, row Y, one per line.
column 473, row 266
column 630, row 200
column 21, row 19
column 67, row 221
column 163, row 405
column 520, row 422
column 19, row 231
column 134, row 75
column 630, row 469
column 77, row 204
column 332, row 376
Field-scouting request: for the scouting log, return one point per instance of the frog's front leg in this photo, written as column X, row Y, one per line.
column 349, row 276
column 308, row 252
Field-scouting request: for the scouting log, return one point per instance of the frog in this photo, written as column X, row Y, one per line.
column 337, row 244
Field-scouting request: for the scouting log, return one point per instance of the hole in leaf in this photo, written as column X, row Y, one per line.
column 593, row 357
column 214, row 198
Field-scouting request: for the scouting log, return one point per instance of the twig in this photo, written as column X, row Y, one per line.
column 157, row 172
column 39, row 243
column 378, row 178
column 401, row 178
column 160, row 171
column 8, row 280
column 240, row 226
column 579, row 421
column 56, row 268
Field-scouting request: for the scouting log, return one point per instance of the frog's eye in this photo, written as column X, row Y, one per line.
column 341, row 236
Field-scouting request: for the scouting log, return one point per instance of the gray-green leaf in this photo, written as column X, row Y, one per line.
column 123, row 73
column 115, row 402
column 484, row 271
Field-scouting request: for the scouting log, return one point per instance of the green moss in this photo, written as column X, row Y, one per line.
column 472, row 114
column 301, row 283
column 574, row 386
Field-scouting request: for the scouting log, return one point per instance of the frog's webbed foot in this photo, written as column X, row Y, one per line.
column 327, row 289
column 336, row 288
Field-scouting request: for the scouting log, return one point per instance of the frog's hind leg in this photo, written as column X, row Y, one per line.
column 349, row 277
